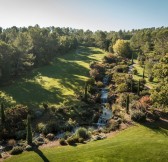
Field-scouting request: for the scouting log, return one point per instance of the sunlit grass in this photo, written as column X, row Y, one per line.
column 140, row 75
column 137, row 143
column 54, row 83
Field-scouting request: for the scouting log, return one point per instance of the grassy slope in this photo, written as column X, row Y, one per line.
column 137, row 143
column 140, row 73
column 54, row 83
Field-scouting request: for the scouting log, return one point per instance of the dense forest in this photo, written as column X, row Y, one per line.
column 22, row 49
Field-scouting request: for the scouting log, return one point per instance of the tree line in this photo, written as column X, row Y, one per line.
column 22, row 49
column 151, row 47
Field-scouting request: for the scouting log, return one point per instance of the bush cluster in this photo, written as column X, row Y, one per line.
column 123, row 87
column 49, row 127
column 113, row 125
column 121, row 69
column 82, row 133
column 72, row 140
column 138, row 116
column 97, row 71
column 67, row 134
column 99, row 84
column 111, row 58
column 134, row 71
column 16, row 150
column 62, row 141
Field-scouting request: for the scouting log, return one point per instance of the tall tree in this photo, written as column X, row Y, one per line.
column 6, row 61
column 86, row 90
column 127, row 104
column 23, row 58
column 2, row 115
column 138, row 89
column 160, row 69
column 149, row 69
column 159, row 94
column 132, row 59
column 122, row 48
column 143, row 74
column 131, row 85
column 100, row 40
column 29, row 130
column 160, row 43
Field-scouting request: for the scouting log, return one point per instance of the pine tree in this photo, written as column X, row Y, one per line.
column 131, row 85
column 127, row 104
column 143, row 75
column 138, row 90
column 2, row 115
column 85, row 93
column 29, row 130
column 132, row 62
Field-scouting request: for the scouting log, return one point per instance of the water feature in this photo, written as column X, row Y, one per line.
column 105, row 80
column 106, row 113
column 130, row 68
column 104, row 95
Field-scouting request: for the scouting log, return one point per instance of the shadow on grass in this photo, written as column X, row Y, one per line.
column 139, row 75
column 74, row 144
column 33, row 94
column 158, row 126
column 40, row 153
column 69, row 77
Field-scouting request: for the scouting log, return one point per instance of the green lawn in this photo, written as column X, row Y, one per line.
column 137, row 143
column 55, row 83
column 140, row 74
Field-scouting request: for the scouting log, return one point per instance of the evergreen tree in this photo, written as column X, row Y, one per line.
column 2, row 115
column 132, row 61
column 143, row 75
column 29, row 130
column 138, row 90
column 86, row 90
column 127, row 104
column 131, row 85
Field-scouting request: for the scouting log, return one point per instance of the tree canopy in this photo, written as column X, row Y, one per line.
column 122, row 48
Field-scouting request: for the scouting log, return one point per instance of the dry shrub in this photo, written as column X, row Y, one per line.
column 145, row 100
column 11, row 142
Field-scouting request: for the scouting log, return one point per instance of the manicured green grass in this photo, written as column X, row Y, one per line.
column 137, row 143
column 140, row 74
column 56, row 83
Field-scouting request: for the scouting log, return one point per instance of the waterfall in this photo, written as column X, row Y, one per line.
column 107, row 114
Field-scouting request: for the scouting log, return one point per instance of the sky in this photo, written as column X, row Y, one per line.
column 106, row 15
